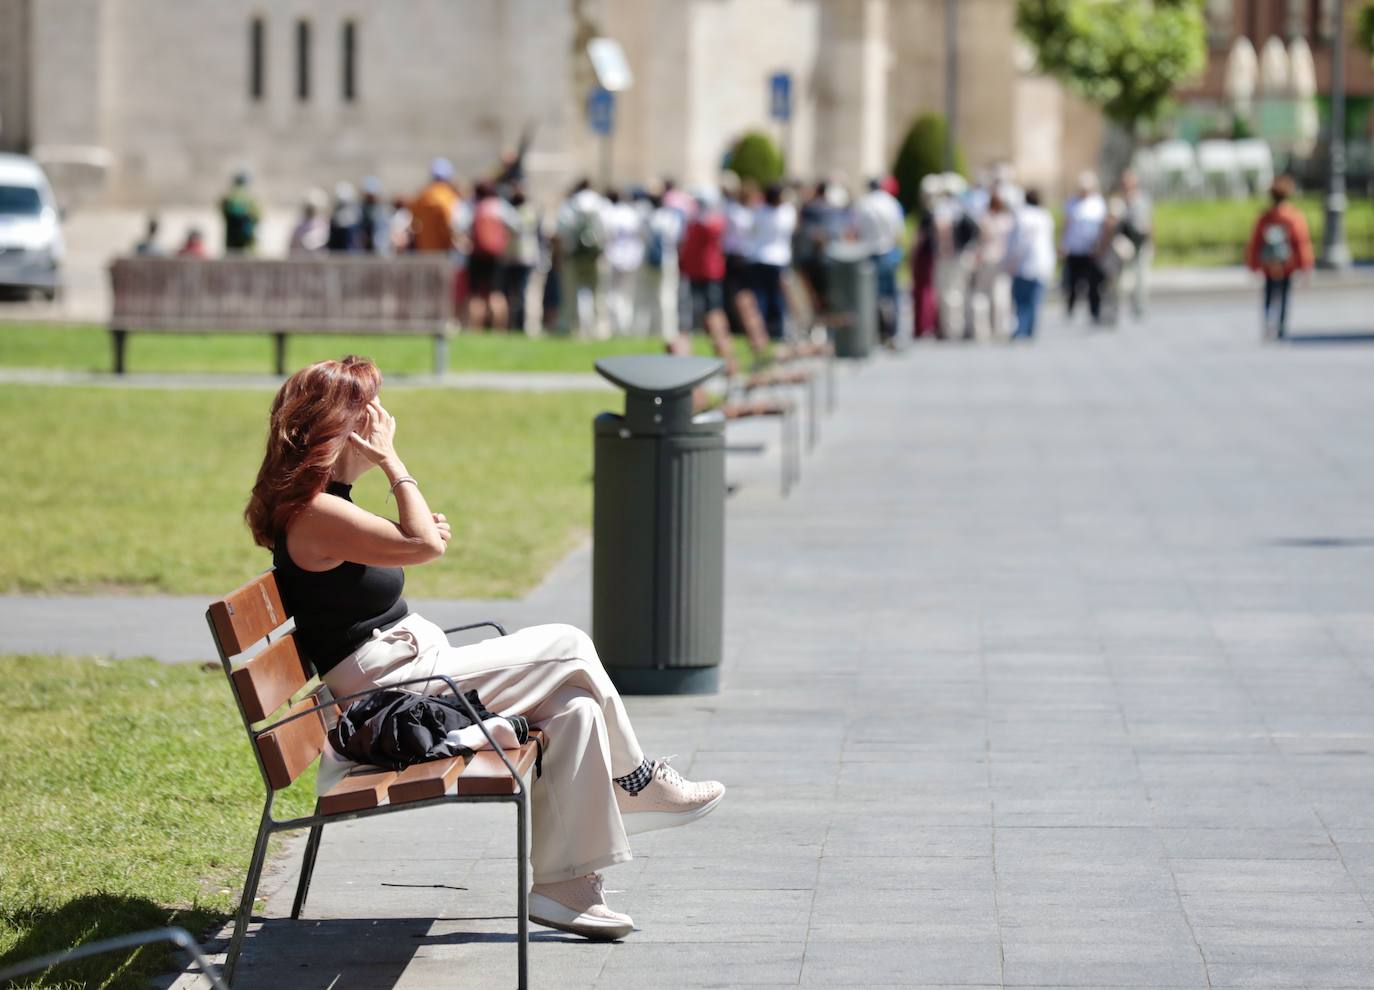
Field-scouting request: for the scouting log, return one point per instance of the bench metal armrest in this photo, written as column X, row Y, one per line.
column 467, row 705
column 500, row 629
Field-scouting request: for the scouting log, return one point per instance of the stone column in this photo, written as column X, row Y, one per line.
column 851, row 89
column 15, row 69
column 69, row 44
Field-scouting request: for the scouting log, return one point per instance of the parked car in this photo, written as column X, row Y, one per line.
column 31, row 246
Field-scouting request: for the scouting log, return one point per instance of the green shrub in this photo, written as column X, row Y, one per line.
column 756, row 157
column 922, row 152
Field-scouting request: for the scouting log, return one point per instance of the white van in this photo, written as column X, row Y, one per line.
column 30, row 232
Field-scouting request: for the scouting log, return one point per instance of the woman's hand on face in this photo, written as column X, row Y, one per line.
column 378, row 444
column 445, row 530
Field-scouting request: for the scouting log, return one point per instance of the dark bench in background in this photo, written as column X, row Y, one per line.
column 335, row 294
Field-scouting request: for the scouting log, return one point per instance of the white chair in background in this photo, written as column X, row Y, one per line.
column 1255, row 160
column 1175, row 168
column 1220, row 168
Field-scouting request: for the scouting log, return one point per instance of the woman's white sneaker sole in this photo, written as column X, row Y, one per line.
column 549, row 913
column 650, row 821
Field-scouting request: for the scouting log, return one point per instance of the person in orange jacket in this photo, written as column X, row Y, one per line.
column 1280, row 246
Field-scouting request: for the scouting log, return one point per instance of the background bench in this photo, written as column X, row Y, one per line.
column 334, row 294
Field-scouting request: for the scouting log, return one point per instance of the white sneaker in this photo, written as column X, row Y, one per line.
column 667, row 800
column 578, row 906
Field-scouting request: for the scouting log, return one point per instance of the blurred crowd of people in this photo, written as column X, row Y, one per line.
column 654, row 259
column 985, row 254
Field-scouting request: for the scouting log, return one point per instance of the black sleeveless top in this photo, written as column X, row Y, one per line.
column 336, row 610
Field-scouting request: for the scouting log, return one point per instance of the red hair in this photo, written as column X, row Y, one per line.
column 314, row 412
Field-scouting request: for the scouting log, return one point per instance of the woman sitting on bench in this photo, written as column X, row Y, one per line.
column 339, row 568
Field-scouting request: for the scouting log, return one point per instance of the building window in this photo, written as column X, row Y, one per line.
column 257, row 37
column 302, row 60
column 349, row 75
column 1296, row 21
column 1221, row 24
column 1327, row 12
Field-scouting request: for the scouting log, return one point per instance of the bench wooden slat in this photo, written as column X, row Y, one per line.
column 488, row 775
column 246, row 615
column 288, row 750
column 426, row 780
column 364, row 787
column 270, row 678
column 755, row 407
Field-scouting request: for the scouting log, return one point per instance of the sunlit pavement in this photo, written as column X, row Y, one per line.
column 1056, row 670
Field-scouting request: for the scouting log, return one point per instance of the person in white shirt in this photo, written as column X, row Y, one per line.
column 1084, row 215
column 656, row 292
column 624, row 256
column 774, row 222
column 881, row 223
column 1030, row 261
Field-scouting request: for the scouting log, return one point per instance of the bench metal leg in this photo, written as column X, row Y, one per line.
column 796, row 447
column 522, row 881
column 440, row 355
column 119, row 339
column 250, row 889
column 312, row 848
column 813, row 414
column 791, row 449
column 279, row 352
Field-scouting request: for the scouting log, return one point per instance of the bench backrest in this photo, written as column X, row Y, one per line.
column 266, row 681
column 335, row 294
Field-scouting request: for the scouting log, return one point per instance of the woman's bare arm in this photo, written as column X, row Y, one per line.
column 331, row 529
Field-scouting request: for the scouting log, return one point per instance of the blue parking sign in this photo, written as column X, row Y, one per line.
column 780, row 96
column 601, row 111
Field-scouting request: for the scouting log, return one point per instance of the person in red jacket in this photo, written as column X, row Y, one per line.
column 701, row 259
column 1279, row 247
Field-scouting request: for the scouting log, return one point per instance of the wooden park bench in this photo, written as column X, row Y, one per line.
column 737, row 407
column 286, row 713
column 332, row 294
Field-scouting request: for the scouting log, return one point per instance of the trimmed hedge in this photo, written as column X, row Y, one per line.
column 922, row 152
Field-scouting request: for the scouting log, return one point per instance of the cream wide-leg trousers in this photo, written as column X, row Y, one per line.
column 552, row 675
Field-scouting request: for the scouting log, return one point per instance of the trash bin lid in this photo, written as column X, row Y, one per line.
column 658, row 374
column 846, row 251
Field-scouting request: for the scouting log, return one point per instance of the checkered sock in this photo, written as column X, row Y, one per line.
column 637, row 779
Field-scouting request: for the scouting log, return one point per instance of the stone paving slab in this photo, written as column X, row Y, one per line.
column 1055, row 671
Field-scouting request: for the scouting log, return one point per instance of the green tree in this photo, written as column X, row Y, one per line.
column 756, row 157
column 1364, row 28
column 922, row 152
column 1125, row 56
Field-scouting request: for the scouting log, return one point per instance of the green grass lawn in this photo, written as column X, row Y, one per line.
column 133, row 490
column 87, row 348
column 131, row 802
column 1210, row 233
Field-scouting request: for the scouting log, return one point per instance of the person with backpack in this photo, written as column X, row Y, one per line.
column 581, row 239
column 241, row 213
column 656, row 292
column 493, row 222
column 521, row 258
column 1280, row 247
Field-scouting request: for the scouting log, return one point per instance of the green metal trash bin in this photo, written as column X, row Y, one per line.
column 853, row 292
column 658, row 529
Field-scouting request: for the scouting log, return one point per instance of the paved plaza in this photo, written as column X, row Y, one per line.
column 1057, row 670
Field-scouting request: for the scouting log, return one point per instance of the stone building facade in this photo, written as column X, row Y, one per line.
column 304, row 92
